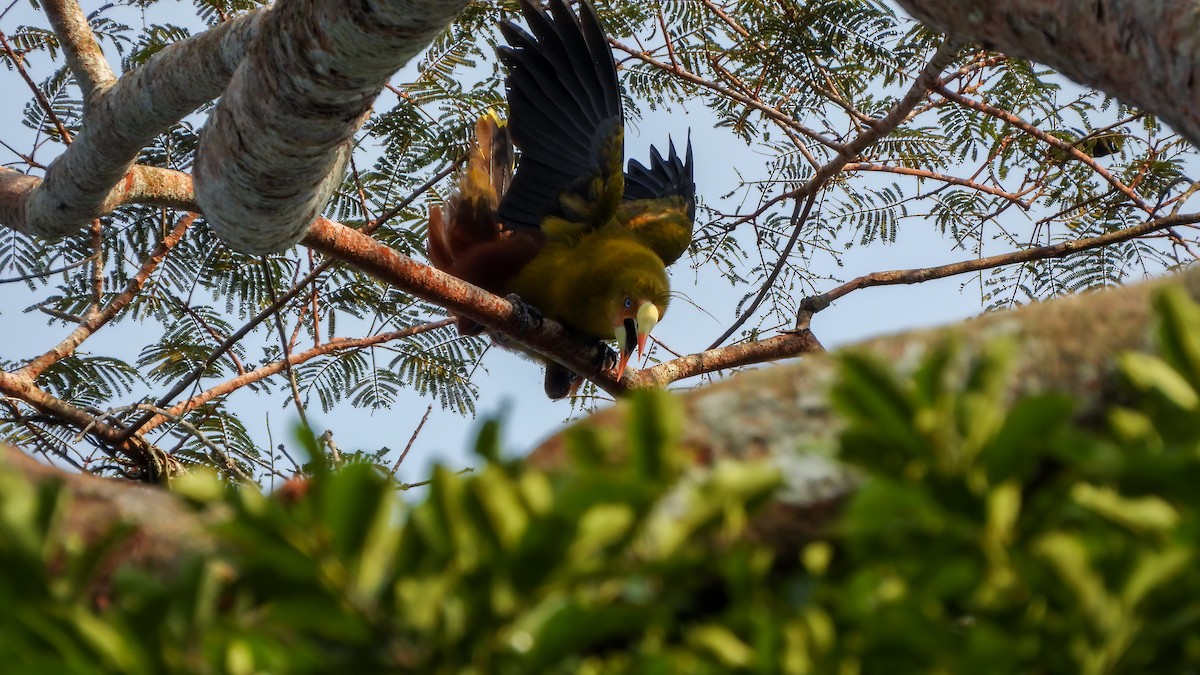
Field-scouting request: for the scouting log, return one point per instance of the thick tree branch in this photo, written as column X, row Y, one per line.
column 1145, row 53
column 273, row 150
column 354, row 247
column 84, row 57
column 140, row 185
column 96, row 171
column 166, row 531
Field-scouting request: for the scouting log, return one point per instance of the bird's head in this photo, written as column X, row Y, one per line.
column 640, row 304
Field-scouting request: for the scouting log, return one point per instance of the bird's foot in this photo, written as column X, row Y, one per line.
column 604, row 356
column 526, row 315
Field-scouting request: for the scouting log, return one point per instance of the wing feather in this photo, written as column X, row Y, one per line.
column 663, row 178
column 660, row 201
column 566, row 118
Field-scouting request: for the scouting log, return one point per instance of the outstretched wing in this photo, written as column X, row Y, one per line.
column 565, row 116
column 660, row 204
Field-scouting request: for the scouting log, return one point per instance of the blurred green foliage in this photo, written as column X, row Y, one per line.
column 988, row 536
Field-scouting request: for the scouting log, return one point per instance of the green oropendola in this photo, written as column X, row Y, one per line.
column 568, row 231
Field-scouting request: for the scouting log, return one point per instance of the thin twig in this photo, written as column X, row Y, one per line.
column 43, row 102
column 263, row 372
column 283, row 344
column 94, row 321
column 799, row 217
column 39, row 275
column 412, row 439
column 814, row 304
column 219, row 456
column 662, row 22
column 897, row 115
column 1046, row 138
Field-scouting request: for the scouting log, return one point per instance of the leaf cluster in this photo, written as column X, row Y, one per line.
column 1020, row 536
column 987, row 535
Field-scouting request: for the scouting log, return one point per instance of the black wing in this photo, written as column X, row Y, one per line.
column 663, row 178
column 565, row 113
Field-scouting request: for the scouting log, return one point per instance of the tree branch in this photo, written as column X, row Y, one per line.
column 155, row 465
column 273, row 149
column 767, row 111
column 939, row 177
column 551, row 339
column 814, row 304
column 98, row 318
column 782, row 346
column 1046, row 138
column 897, row 115
column 84, row 57
column 799, row 217
column 263, row 372
column 1141, row 52
column 38, row 94
column 96, row 172
column 219, row 457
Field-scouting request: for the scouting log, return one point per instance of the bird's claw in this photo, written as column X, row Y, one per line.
column 606, row 357
column 526, row 315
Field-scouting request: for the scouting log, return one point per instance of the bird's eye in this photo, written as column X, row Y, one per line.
column 628, row 302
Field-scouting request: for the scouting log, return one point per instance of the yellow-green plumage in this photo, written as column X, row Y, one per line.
column 582, row 284
column 662, row 224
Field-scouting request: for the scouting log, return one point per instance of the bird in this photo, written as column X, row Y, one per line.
column 560, row 227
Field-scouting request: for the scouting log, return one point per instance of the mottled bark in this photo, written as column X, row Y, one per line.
column 95, row 173
column 1145, row 53
column 274, row 148
column 84, row 57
